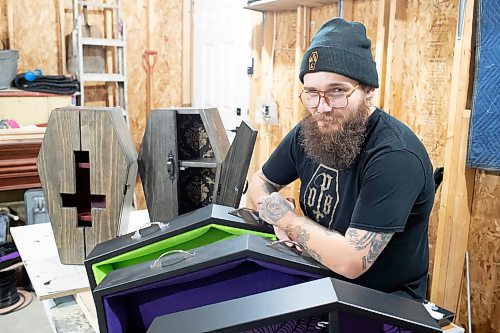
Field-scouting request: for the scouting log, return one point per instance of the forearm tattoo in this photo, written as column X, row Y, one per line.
column 274, row 208
column 301, row 236
column 269, row 187
column 362, row 239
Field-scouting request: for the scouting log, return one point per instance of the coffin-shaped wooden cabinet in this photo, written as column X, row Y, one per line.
column 130, row 298
column 87, row 166
column 186, row 161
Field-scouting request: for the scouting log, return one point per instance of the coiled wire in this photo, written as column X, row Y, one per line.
column 8, row 288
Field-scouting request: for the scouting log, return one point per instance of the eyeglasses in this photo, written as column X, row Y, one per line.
column 335, row 99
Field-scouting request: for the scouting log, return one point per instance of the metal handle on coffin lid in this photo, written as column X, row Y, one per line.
column 246, row 213
column 158, row 262
column 171, row 166
column 137, row 234
column 283, row 241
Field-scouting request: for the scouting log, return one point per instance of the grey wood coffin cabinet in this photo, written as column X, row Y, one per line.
column 186, row 162
column 88, row 166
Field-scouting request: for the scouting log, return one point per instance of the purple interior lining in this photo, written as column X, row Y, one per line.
column 133, row 310
column 9, row 256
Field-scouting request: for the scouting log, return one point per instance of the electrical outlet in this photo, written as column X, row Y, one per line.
column 266, row 111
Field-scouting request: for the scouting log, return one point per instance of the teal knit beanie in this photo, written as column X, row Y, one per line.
column 341, row 47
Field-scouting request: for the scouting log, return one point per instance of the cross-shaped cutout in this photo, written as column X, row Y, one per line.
column 83, row 200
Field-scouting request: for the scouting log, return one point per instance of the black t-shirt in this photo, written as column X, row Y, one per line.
column 389, row 188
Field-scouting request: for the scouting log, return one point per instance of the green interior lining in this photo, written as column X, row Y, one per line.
column 189, row 240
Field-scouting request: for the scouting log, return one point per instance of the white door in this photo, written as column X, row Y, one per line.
column 221, row 53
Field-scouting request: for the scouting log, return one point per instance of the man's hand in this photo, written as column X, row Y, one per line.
column 273, row 208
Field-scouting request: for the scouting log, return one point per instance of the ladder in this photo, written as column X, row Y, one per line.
column 117, row 42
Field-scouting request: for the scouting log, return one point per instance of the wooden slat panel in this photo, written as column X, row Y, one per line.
column 130, row 153
column 283, row 62
column 453, row 229
column 187, row 62
column 235, row 167
column 381, row 49
column 216, row 132
column 159, row 140
column 303, row 37
column 255, row 88
column 10, row 25
column 394, row 69
column 109, row 168
column 56, row 166
column 281, row 5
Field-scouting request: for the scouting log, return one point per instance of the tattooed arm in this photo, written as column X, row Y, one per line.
column 350, row 255
column 260, row 187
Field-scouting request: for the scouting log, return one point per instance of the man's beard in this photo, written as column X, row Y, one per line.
column 340, row 142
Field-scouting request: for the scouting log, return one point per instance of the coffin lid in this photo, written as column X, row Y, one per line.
column 211, row 214
column 241, row 247
column 309, row 298
column 235, row 166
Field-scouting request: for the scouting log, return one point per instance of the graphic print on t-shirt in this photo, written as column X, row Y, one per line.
column 321, row 195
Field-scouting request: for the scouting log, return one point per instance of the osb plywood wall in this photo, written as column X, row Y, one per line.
column 419, row 67
column 419, row 72
column 37, row 37
column 484, row 256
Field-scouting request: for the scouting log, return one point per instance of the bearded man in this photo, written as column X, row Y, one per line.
column 367, row 186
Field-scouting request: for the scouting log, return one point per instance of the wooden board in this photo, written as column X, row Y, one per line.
column 86, row 303
column 159, row 140
column 22, row 135
column 283, row 66
column 381, row 46
column 187, row 39
column 50, row 278
column 235, row 167
column 62, row 138
column 484, row 256
column 3, row 27
column 282, row 5
column 255, row 88
column 216, row 132
column 112, row 163
column 454, row 209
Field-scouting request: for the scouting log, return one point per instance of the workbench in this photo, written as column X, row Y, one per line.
column 63, row 289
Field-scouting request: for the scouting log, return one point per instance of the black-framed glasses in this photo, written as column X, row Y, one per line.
column 335, row 99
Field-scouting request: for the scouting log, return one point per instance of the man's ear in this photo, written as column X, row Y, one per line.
column 370, row 93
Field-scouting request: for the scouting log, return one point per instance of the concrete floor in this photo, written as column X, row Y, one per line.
column 30, row 319
column 65, row 316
